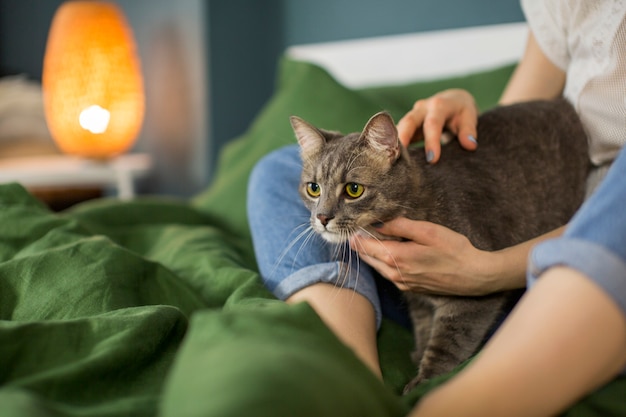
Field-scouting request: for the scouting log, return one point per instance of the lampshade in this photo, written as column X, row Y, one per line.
column 92, row 83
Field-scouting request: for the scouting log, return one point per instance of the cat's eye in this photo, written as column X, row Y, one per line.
column 354, row 190
column 313, row 189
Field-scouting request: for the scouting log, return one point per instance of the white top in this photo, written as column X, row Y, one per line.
column 587, row 39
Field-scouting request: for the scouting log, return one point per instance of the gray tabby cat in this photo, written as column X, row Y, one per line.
column 527, row 177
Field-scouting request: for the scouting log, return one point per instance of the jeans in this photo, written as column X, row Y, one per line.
column 291, row 256
column 594, row 242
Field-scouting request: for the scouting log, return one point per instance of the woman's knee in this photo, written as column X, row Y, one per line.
column 273, row 183
column 278, row 168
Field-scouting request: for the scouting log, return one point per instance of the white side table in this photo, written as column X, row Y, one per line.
column 66, row 171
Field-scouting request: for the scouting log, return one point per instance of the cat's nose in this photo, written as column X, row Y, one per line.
column 324, row 219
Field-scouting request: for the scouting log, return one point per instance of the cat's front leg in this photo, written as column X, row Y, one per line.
column 459, row 328
column 421, row 313
column 421, row 310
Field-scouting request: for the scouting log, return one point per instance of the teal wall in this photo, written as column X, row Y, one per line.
column 24, row 28
column 246, row 38
column 324, row 20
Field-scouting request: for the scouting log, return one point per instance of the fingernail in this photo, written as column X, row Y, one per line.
column 472, row 139
column 378, row 225
column 430, row 155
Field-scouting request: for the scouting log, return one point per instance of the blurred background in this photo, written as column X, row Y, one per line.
column 209, row 65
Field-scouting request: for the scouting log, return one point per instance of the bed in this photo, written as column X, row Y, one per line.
column 154, row 306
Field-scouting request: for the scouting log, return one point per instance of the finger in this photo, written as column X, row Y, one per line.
column 468, row 140
column 370, row 248
column 465, row 129
column 433, row 128
column 377, row 253
column 389, row 272
column 383, row 257
column 379, row 265
column 366, row 248
column 359, row 243
column 410, row 124
column 420, row 232
column 406, row 128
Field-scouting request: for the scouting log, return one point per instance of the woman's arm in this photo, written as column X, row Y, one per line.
column 434, row 259
column 565, row 338
column 535, row 77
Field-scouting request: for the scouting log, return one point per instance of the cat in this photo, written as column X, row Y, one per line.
column 526, row 177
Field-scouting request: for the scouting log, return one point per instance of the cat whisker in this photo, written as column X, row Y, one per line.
column 307, row 233
column 343, row 255
column 344, row 268
column 377, row 239
column 311, row 234
column 341, row 251
column 358, row 265
column 345, row 261
column 407, row 208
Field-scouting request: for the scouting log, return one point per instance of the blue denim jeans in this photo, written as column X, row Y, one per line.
column 594, row 242
column 290, row 256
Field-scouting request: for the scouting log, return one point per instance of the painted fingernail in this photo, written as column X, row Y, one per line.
column 472, row 139
column 378, row 225
column 430, row 155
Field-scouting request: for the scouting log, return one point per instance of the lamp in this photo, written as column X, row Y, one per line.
column 92, row 83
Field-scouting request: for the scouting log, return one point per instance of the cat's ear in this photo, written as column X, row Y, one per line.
column 309, row 137
column 381, row 134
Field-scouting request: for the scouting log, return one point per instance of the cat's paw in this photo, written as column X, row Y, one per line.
column 412, row 384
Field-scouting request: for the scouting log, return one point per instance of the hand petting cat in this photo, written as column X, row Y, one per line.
column 431, row 259
column 453, row 110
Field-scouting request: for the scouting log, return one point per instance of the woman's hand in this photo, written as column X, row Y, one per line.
column 433, row 259
column 454, row 110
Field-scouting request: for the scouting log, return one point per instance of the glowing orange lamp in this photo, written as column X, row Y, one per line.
column 92, row 83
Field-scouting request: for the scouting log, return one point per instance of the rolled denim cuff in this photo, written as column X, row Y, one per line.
column 595, row 261
column 336, row 273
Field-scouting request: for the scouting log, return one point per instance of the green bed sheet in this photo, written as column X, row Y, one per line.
column 154, row 307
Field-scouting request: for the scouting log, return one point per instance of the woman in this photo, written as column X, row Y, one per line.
column 576, row 49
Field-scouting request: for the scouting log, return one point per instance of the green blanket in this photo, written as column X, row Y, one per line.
column 154, row 306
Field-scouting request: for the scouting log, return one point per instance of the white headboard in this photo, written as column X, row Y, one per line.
column 430, row 55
